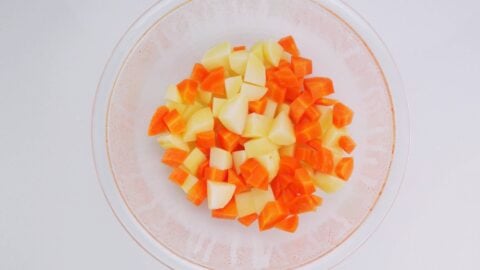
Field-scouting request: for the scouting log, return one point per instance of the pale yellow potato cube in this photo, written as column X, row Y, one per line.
column 219, row 194
column 255, row 71
column 239, row 157
column 270, row 108
column 232, row 86
column 328, row 183
column 172, row 105
column 245, row 204
column 258, row 147
column 261, row 198
column 233, row 114
column 217, row 105
column 204, row 97
column 217, row 56
column 200, row 121
column 257, row 50
column 189, row 183
column 172, row 94
column 283, row 108
column 282, row 131
column 238, row 62
column 257, row 125
column 272, row 52
column 220, row 159
column 252, row 92
column 167, row 140
column 193, row 160
column 271, row 162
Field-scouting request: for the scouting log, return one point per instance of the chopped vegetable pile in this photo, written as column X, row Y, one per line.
column 255, row 134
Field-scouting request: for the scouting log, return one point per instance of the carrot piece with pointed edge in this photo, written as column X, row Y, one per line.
column 174, row 157
column 287, row 197
column 258, row 106
column 288, row 165
column 301, row 204
column 322, row 160
column 316, row 200
column 312, row 113
column 315, row 144
column 178, row 176
column 248, row 219
column 199, row 72
column 292, row 93
column 283, row 63
column 272, row 213
column 254, row 174
column 201, row 169
column 289, row 45
column 347, row 143
column 276, row 92
column 214, row 82
column 280, row 183
column 302, row 152
column 197, row 193
column 342, row 115
column 285, row 77
column 228, row 212
column 301, row 66
column 174, row 121
column 344, row 168
column 300, row 105
column 243, row 140
column 233, row 178
column 156, row 123
column 326, row 101
column 302, row 183
column 215, row 174
column 269, row 73
column 318, row 86
column 227, row 139
column 206, row 139
column 307, row 131
column 247, row 168
column 289, row 224
column 188, row 90
column 239, row 48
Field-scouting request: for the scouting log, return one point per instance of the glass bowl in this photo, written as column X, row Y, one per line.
column 161, row 47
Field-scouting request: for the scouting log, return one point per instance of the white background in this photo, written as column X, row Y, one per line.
column 53, row 214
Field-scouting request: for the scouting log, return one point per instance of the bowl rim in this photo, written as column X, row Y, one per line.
column 334, row 256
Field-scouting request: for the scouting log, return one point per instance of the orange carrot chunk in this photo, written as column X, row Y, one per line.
column 315, row 144
column 206, row 139
column 188, row 90
column 248, row 219
column 316, row 200
column 174, row 157
column 178, row 176
column 288, row 165
column 302, row 152
column 301, row 66
column 174, row 122
column 342, row 115
column 233, row 178
column 301, row 204
column 292, row 93
column 276, row 92
column 326, row 101
column 197, row 193
column 307, row 131
column 156, row 124
column 227, row 139
column 201, row 169
column 289, row 224
column 302, row 183
column 300, row 105
column 215, row 82
column 312, row 113
column 258, row 106
column 199, row 72
column 285, row 77
column 239, row 48
column 318, row 86
column 254, row 173
column 272, row 213
column 344, row 168
column 289, row 45
column 228, row 212
column 322, row 160
column 270, row 73
column 215, row 174
column 347, row 143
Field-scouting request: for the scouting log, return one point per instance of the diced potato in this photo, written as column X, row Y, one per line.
column 217, row 56
column 205, row 97
column 189, row 183
column 201, row 120
column 257, row 125
column 259, row 147
column 252, row 92
column 245, row 204
column 282, row 131
column 191, row 109
column 328, row 183
column 239, row 157
column 232, row 86
column 193, row 160
column 271, row 162
column 272, row 52
column 172, row 105
column 261, row 198
column 270, row 108
column 283, row 108
column 220, row 159
column 233, row 114
column 288, row 150
column 331, row 136
column 217, row 105
column 173, row 94
column 238, row 61
column 255, row 71
column 326, row 118
column 257, row 50
column 167, row 140
column 219, row 194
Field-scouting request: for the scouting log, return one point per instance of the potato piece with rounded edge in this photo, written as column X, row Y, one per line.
column 239, row 157
column 232, row 86
column 245, row 204
column 327, row 183
column 258, row 147
column 252, row 92
column 217, row 56
column 219, row 194
column 220, row 159
column 172, row 105
column 255, row 71
column 271, row 162
column 238, row 62
column 191, row 109
column 282, row 131
column 217, row 105
column 261, row 198
column 233, row 114
column 273, row 52
column 257, row 125
column 257, row 50
column 167, row 140
column 189, row 183
column 193, row 160
column 200, row 121
column 172, row 94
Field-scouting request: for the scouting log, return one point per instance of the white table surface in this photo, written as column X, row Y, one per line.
column 53, row 214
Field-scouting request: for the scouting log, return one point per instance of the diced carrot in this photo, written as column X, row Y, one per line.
column 276, row 92
column 315, row 144
column 292, row 93
column 302, row 152
column 215, row 174
column 248, row 219
column 277, row 187
column 239, row 48
column 302, row 204
column 174, row 157
column 307, row 131
column 318, row 86
column 201, row 169
column 300, row 105
column 233, row 178
column 312, row 113
column 344, row 168
column 258, row 106
column 215, row 82
column 287, row 197
column 347, row 143
column 174, row 122
column 289, row 45
column 188, row 90
column 197, row 193
column 247, row 168
column 316, row 200
column 342, row 115
column 302, row 183
column 243, row 140
column 199, row 72
column 322, row 160
column 288, row 165
column 326, row 101
column 254, row 174
column 270, row 73
column 272, row 213
column 289, row 224
column 206, row 139
column 285, row 77
column 301, row 66
column 156, row 124
column 228, row 212
column 178, row 176
column 227, row 139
